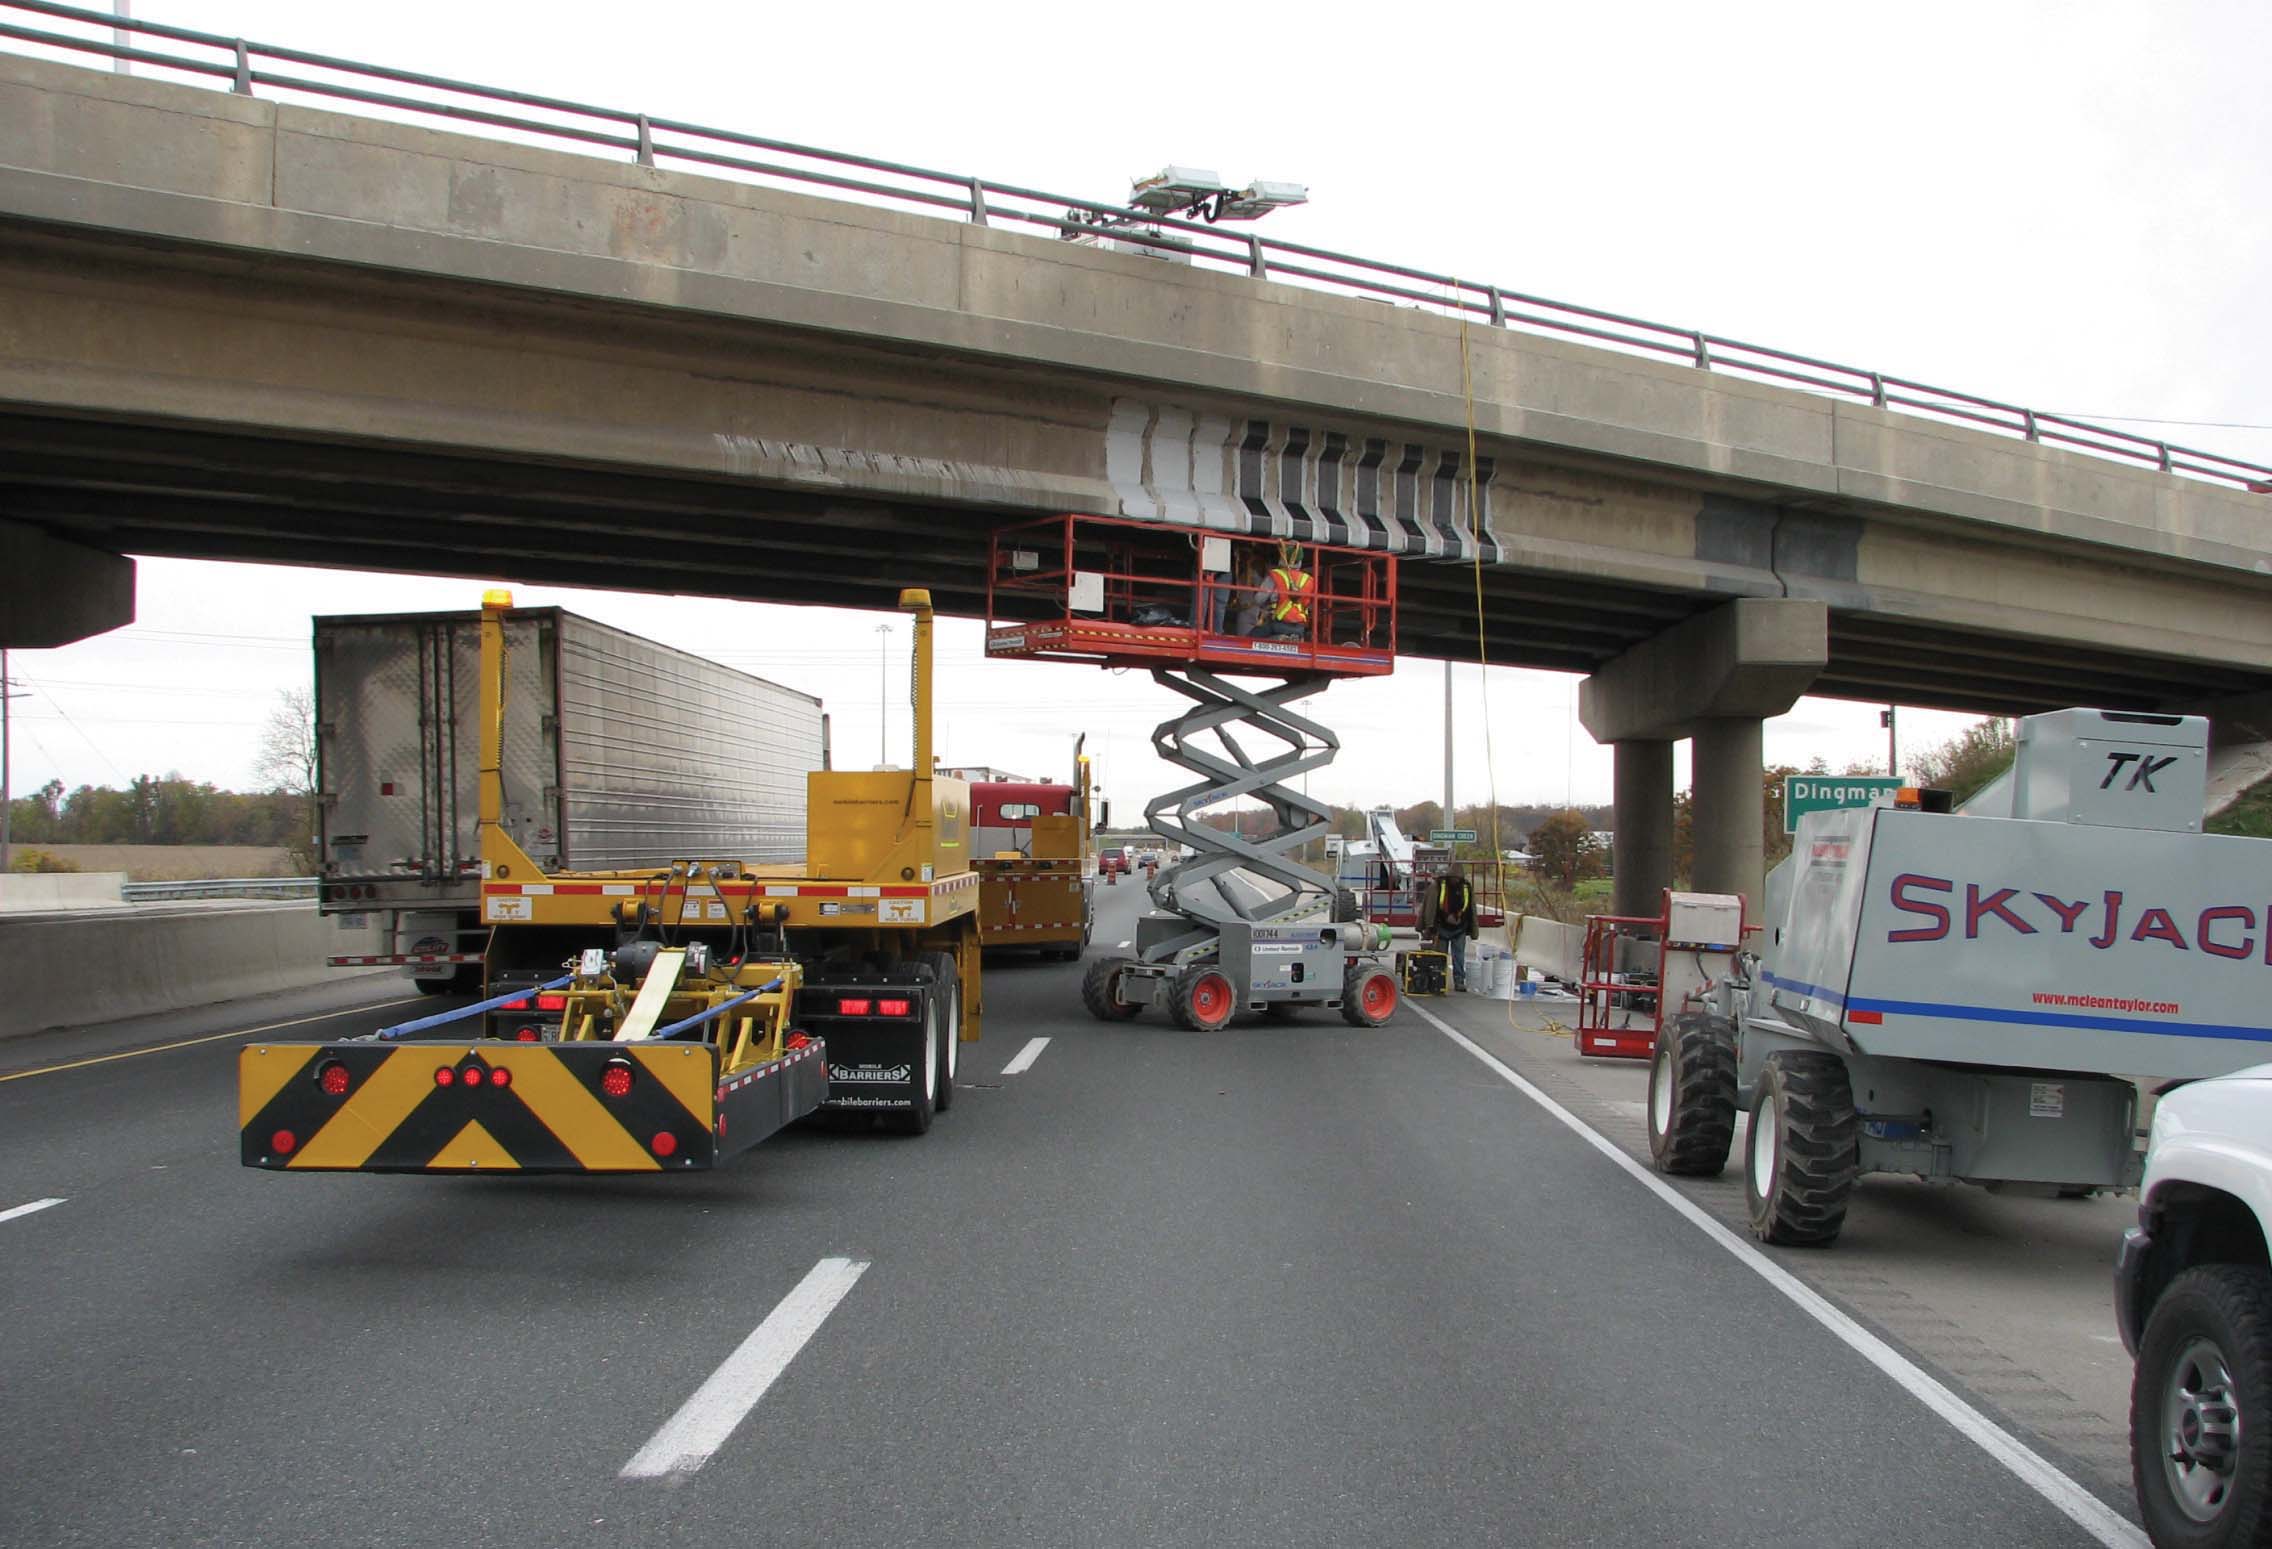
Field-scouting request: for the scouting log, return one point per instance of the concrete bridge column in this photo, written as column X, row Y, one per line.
column 1643, row 825
column 1714, row 677
column 53, row 592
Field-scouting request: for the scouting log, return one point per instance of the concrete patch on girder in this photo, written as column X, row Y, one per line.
column 834, row 467
column 1312, row 483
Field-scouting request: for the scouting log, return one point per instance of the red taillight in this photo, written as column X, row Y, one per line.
column 471, row 1075
column 500, row 1077
column 615, row 1081
column 555, row 1001
column 530, row 1035
column 664, row 1143
column 282, row 1142
column 855, row 1008
column 797, row 1041
column 516, row 1005
column 445, row 1077
column 893, row 1008
column 332, row 1078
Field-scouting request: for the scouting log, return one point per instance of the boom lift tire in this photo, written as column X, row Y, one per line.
column 917, row 1119
column 2201, row 1410
column 1344, row 906
column 1368, row 994
column 946, row 984
column 1692, row 1096
column 1801, row 1158
column 1203, row 999
column 1097, row 987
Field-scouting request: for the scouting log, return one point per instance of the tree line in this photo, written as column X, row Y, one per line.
column 160, row 809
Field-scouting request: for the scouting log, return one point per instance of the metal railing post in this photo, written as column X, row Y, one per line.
column 646, row 142
column 977, row 202
column 2027, row 422
column 1703, row 351
column 243, row 84
column 1498, row 308
column 1255, row 265
column 1877, row 390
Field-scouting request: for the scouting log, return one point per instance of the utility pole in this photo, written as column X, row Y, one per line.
column 7, row 804
column 1892, row 759
column 883, row 694
column 1447, row 742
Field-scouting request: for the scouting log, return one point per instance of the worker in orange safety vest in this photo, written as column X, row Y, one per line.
column 1282, row 609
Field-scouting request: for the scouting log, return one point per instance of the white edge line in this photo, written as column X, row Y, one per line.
column 24, row 1210
column 710, row 1414
column 1024, row 1058
column 2081, row 1507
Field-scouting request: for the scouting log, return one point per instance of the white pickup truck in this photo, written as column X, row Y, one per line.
column 2193, row 1296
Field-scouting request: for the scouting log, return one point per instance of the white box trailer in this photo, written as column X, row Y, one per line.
column 618, row 753
column 1961, row 996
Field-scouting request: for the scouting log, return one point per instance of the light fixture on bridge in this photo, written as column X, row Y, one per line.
column 1178, row 192
column 1258, row 199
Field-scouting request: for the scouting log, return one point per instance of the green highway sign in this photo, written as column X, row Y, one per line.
column 1803, row 794
column 1451, row 836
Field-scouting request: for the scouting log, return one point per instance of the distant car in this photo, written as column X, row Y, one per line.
column 2193, row 1298
column 1112, row 860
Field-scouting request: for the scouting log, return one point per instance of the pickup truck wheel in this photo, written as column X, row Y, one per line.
column 1800, row 1163
column 1097, row 989
column 924, row 1078
column 2201, row 1410
column 1692, row 1096
column 1203, row 1000
column 946, row 986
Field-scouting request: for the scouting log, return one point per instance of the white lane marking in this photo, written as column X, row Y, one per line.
column 705, row 1420
column 2081, row 1507
column 24, row 1210
column 1025, row 1057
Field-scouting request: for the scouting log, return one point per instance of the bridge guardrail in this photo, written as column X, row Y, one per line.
column 219, row 887
column 652, row 139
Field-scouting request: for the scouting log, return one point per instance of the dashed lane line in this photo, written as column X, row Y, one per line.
column 2078, row 1505
column 184, row 1043
column 33, row 1208
column 1022, row 1061
column 704, row 1421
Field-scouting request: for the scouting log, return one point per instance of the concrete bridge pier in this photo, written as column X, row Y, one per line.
column 1714, row 677
column 53, row 591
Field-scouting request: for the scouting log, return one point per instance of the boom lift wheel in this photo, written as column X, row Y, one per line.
column 1692, row 1096
column 1204, row 998
column 1368, row 994
column 1800, row 1161
column 1097, row 990
column 946, row 987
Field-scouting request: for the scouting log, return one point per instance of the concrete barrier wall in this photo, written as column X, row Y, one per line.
column 44, row 890
column 66, row 970
column 1549, row 946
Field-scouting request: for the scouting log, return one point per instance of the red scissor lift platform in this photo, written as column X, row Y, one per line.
column 1610, row 999
column 1117, row 592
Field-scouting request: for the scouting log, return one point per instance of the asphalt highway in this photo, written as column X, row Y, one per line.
column 1291, row 1284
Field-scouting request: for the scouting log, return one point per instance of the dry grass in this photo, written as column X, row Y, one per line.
column 174, row 862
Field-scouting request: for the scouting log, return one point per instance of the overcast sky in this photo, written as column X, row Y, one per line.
column 2057, row 204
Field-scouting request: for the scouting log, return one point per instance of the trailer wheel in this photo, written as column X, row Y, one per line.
column 1692, row 1096
column 1204, row 999
column 924, row 1078
column 2201, row 1409
column 946, row 985
column 1368, row 995
column 437, row 986
column 1800, row 1162
column 1097, row 990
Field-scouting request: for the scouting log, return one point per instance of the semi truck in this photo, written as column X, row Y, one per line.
column 618, row 753
column 662, row 1018
column 1966, row 995
column 1033, row 849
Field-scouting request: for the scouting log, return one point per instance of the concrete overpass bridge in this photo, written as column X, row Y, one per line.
column 240, row 328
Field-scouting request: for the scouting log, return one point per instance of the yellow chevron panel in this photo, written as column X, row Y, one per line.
column 685, row 1074
column 569, row 1109
column 262, row 1070
column 374, row 1110
column 474, row 1146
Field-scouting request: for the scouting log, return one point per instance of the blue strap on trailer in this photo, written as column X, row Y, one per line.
column 720, row 1010
column 441, row 1018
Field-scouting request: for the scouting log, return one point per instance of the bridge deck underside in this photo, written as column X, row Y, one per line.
column 190, row 492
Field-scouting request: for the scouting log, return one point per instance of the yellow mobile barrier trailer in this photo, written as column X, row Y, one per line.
column 1036, row 861
column 665, row 1020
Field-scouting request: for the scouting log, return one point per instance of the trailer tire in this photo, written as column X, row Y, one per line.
column 1097, row 990
column 1692, row 1096
column 1800, row 1159
column 2207, row 1348
column 1204, row 1000
column 916, row 1120
column 1368, row 995
column 946, row 984
column 437, row 986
